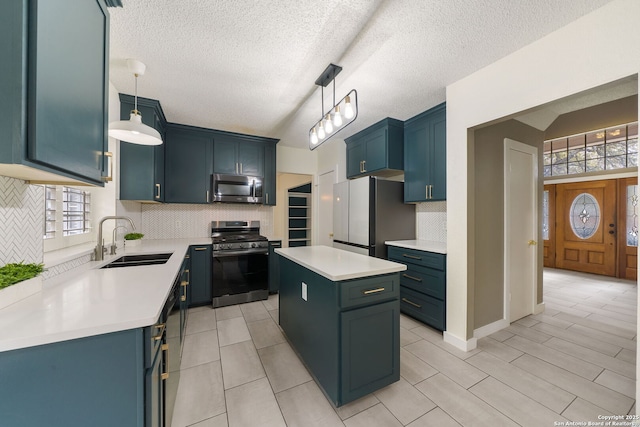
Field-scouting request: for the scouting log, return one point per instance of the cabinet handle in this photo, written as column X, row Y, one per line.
column 372, row 291
column 426, row 192
column 412, row 303
column 431, row 191
column 109, row 178
column 200, row 249
column 165, row 349
column 240, row 168
column 237, row 169
column 417, row 279
column 364, row 166
column 411, row 256
column 267, row 195
column 207, row 196
column 188, row 276
column 157, row 191
column 187, row 256
column 161, row 327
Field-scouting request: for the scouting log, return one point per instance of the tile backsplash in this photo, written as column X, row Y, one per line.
column 431, row 219
column 21, row 221
column 175, row 221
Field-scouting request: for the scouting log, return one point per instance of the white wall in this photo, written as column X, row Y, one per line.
column 295, row 160
column 567, row 61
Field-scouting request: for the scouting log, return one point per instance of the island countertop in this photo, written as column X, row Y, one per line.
column 337, row 265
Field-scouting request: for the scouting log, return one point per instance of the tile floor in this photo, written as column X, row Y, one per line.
column 573, row 362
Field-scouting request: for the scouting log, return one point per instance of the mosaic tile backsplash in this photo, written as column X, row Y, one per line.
column 431, row 221
column 177, row 221
column 21, row 221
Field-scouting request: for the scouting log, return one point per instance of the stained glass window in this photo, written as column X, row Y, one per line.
column 584, row 216
column 632, row 215
column 545, row 215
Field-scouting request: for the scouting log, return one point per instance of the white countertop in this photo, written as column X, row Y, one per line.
column 420, row 245
column 336, row 264
column 89, row 301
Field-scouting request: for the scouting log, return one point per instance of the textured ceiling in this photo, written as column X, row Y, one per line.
column 250, row 65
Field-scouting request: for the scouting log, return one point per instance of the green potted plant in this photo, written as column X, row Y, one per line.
column 25, row 276
column 133, row 239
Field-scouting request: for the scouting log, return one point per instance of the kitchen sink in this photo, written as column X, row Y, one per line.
column 138, row 260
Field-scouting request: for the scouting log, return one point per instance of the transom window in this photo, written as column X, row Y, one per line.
column 605, row 149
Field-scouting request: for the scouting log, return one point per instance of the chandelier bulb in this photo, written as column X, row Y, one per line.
column 348, row 108
column 337, row 117
column 321, row 133
column 314, row 136
column 327, row 124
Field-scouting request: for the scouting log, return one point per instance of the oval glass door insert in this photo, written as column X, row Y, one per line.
column 584, row 216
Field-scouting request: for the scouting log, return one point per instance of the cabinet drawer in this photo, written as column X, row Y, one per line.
column 425, row 280
column 423, row 307
column 368, row 291
column 412, row 256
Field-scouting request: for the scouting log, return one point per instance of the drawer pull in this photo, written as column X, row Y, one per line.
column 184, row 283
column 161, row 327
column 417, row 279
column 411, row 256
column 372, row 291
column 200, row 249
column 412, row 303
column 165, row 349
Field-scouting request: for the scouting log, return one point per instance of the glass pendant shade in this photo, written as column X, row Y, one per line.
column 321, row 133
column 314, row 137
column 134, row 131
column 337, row 117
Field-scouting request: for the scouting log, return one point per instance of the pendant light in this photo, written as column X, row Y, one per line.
column 339, row 115
column 133, row 130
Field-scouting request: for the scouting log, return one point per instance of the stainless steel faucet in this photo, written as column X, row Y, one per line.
column 99, row 251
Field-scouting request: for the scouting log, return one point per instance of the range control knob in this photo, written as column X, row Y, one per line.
column 253, row 245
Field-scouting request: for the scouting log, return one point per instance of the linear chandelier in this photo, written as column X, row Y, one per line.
column 339, row 116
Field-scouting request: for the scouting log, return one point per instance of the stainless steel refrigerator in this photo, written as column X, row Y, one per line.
column 369, row 211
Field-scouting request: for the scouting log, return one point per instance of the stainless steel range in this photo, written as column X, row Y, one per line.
column 240, row 262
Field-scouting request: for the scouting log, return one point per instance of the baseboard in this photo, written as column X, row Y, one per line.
column 539, row 308
column 463, row 345
column 490, row 328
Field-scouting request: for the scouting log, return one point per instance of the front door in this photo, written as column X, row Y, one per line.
column 586, row 229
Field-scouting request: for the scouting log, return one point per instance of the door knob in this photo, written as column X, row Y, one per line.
column 532, row 242
column 611, row 232
column 331, row 235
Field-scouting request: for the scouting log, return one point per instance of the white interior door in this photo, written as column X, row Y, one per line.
column 325, row 207
column 521, row 228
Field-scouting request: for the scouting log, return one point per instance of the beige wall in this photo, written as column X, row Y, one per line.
column 601, row 116
column 489, row 211
column 517, row 83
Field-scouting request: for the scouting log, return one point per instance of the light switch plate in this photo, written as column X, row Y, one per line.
column 304, row 291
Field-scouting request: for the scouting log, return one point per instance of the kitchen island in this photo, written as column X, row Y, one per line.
column 341, row 313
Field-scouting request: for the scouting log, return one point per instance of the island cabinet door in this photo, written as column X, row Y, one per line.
column 370, row 349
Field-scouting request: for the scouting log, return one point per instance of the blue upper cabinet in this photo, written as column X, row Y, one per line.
column 425, row 156
column 142, row 166
column 376, row 150
column 188, row 164
column 54, row 86
column 236, row 156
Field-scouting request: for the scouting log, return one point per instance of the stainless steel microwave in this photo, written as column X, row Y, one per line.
column 236, row 188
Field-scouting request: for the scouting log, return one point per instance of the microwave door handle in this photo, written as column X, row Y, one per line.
column 253, row 188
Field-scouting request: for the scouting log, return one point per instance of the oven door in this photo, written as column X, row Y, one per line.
column 240, row 276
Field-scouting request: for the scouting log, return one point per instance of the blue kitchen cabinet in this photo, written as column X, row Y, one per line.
column 200, row 282
column 142, row 166
column 236, row 156
column 376, row 150
column 347, row 333
column 269, row 181
column 274, row 266
column 423, row 286
column 425, row 156
column 188, row 164
column 54, row 86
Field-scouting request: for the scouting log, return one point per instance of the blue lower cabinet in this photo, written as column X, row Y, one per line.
column 94, row 381
column 350, row 345
column 423, row 286
column 200, row 282
column 274, row 266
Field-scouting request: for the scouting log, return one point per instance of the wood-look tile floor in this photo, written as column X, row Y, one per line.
column 574, row 362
